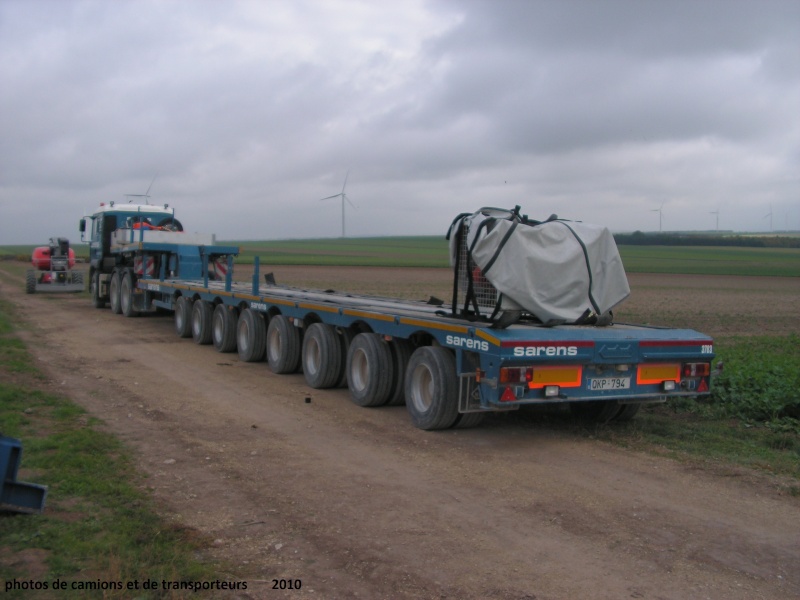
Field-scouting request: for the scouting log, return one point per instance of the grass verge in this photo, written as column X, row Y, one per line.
column 751, row 418
column 98, row 526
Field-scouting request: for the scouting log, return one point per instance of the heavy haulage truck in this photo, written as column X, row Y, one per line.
column 530, row 320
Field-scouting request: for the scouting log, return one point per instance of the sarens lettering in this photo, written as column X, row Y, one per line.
column 454, row 340
column 547, row 351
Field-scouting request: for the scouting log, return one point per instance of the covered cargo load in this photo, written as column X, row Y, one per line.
column 556, row 270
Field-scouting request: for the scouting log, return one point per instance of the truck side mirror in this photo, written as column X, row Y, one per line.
column 82, row 225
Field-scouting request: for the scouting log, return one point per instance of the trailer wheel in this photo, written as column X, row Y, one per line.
column 626, row 413
column 250, row 336
column 432, row 388
column 94, row 289
column 598, row 411
column 30, row 281
column 345, row 339
column 401, row 354
column 183, row 317
column 126, row 289
column 283, row 345
column 201, row 322
column 369, row 370
column 322, row 356
column 223, row 328
column 113, row 293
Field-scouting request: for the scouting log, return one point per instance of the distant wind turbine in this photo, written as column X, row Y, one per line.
column 716, row 212
column 659, row 211
column 769, row 214
column 344, row 197
column 146, row 195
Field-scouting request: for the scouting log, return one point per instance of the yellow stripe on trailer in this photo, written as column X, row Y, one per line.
column 367, row 315
column 434, row 325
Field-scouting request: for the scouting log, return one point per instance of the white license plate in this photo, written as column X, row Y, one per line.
column 610, row 383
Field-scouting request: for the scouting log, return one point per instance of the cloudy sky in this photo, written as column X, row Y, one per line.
column 248, row 113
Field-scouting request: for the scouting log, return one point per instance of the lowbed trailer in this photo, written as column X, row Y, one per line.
column 449, row 371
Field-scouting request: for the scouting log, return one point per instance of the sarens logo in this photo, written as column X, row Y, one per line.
column 547, row 351
column 454, row 340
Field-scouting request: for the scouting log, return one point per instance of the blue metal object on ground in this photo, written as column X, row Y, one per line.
column 15, row 495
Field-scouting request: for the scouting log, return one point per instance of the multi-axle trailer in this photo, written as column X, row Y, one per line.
column 448, row 370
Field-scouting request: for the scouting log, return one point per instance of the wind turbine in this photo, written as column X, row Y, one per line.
column 769, row 214
column 344, row 199
column 716, row 212
column 658, row 210
column 146, row 195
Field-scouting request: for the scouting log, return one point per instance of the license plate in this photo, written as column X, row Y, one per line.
column 610, row 383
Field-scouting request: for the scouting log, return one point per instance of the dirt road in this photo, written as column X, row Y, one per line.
column 356, row 503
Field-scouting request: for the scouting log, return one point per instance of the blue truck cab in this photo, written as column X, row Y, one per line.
column 130, row 241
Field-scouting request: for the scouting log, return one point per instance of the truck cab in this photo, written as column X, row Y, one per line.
column 98, row 228
column 133, row 241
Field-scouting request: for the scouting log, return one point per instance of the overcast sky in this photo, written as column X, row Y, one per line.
column 248, row 113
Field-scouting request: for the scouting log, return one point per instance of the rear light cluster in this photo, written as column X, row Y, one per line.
column 547, row 378
column 697, row 369
column 541, row 377
column 516, row 374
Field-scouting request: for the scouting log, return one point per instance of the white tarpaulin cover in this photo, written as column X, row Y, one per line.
column 557, row 270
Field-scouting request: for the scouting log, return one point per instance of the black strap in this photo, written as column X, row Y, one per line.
column 500, row 246
column 588, row 266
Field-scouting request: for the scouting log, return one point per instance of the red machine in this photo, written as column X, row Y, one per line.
column 53, row 269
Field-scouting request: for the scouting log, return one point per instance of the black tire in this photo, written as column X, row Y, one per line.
column 170, row 224
column 251, row 333
column 369, row 370
column 183, row 317
column 201, row 322
column 77, row 277
column 432, row 388
column 401, row 354
column 126, row 289
column 30, row 281
column 283, row 345
column 113, row 293
column 596, row 411
column 94, row 289
column 223, row 328
column 626, row 413
column 345, row 339
column 469, row 420
column 321, row 356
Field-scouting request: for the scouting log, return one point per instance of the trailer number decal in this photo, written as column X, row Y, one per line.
column 258, row 306
column 152, row 287
column 454, row 340
column 546, row 351
column 707, row 349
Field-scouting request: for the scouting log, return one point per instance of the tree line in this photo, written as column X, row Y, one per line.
column 639, row 238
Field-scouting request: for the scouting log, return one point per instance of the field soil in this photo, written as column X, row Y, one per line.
column 286, row 482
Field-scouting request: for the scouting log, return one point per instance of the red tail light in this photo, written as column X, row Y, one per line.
column 516, row 375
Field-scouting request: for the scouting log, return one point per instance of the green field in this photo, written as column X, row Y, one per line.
column 432, row 251
column 422, row 251
column 710, row 260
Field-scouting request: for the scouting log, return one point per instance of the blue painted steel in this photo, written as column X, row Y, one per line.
column 15, row 495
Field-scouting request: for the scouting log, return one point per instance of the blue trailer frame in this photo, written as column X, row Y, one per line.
column 497, row 369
